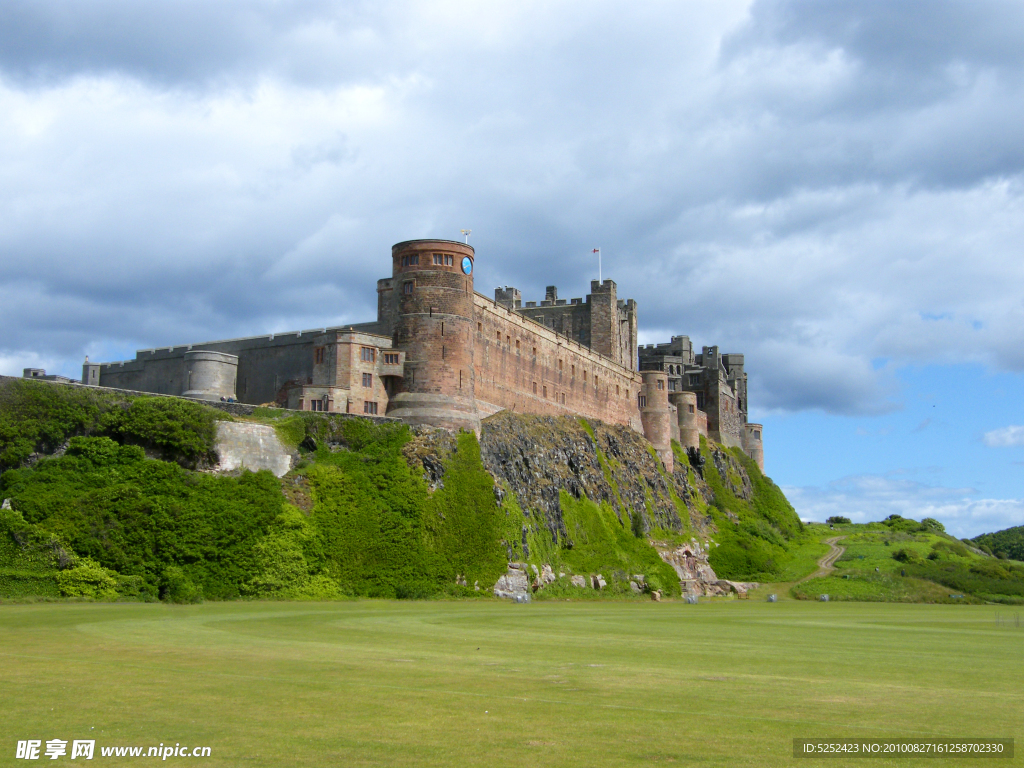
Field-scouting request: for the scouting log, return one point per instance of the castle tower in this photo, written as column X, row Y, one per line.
column 604, row 320
column 432, row 289
column 753, row 444
column 209, row 375
column 90, row 373
column 655, row 414
column 687, row 419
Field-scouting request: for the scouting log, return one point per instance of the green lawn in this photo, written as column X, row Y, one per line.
column 471, row 683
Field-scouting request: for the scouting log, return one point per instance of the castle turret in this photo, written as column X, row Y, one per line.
column 655, row 415
column 90, row 373
column 687, row 418
column 753, row 443
column 433, row 300
column 209, row 375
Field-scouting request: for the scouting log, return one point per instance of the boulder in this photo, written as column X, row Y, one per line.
column 773, row 598
column 637, row 589
column 598, row 581
column 656, row 595
column 579, row 581
column 512, row 584
column 547, row 576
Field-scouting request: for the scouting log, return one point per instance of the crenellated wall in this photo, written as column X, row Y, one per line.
column 522, row 366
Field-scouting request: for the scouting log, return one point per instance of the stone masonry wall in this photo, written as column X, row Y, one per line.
column 514, row 354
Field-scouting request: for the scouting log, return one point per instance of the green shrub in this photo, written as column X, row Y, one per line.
column 88, row 579
column 177, row 587
column 838, row 520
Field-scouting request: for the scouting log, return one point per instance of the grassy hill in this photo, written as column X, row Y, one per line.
column 903, row 560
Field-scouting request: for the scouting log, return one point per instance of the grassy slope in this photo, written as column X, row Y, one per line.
column 936, row 566
column 484, row 684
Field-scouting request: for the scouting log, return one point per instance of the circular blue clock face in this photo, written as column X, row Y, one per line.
column 467, row 265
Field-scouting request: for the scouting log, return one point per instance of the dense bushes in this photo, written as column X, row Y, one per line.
column 40, row 417
column 1008, row 543
column 139, row 516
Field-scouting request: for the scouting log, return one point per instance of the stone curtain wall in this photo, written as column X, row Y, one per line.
column 505, row 375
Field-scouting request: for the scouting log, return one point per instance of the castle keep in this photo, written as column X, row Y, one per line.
column 441, row 354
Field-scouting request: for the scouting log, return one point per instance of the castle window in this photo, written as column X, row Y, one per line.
column 534, row 351
column 757, row 434
column 595, row 383
column 319, row 355
column 573, row 374
column 368, row 355
column 508, row 340
column 616, row 390
column 479, row 327
column 449, row 261
column 439, row 259
column 535, row 387
column 411, row 261
column 691, row 408
column 407, row 288
column 700, row 400
column 694, row 379
column 661, row 384
column 559, row 365
column 584, row 377
column 367, row 379
column 545, row 393
column 498, row 336
column 370, row 408
column 642, row 401
column 390, row 358
column 563, row 398
column 318, row 405
column 517, row 346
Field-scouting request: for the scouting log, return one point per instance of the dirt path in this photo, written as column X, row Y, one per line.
column 826, row 564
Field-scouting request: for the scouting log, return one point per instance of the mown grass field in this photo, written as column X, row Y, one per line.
column 481, row 683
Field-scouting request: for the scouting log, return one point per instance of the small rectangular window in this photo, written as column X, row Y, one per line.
column 661, row 384
column 390, row 358
column 694, row 379
column 545, row 393
column 517, row 346
column 643, row 401
column 559, row 365
column 691, row 408
column 563, row 398
column 367, row 379
column 449, row 261
column 479, row 327
column 407, row 288
column 757, row 434
column 370, row 408
column 535, row 387
column 439, row 259
column 534, row 351
column 316, row 405
column 368, row 355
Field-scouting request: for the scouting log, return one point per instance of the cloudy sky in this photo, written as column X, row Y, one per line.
column 833, row 188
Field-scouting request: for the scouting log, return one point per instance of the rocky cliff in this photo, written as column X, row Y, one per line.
column 544, row 467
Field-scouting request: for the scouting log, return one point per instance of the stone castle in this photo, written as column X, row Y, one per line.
column 441, row 354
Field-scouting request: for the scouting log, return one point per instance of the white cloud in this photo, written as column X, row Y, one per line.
column 867, row 498
column 1005, row 437
column 779, row 178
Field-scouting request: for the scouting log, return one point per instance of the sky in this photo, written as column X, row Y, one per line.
column 832, row 188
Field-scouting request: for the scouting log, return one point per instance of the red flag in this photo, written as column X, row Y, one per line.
column 596, row 250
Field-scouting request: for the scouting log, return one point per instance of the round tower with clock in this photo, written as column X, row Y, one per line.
column 432, row 307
